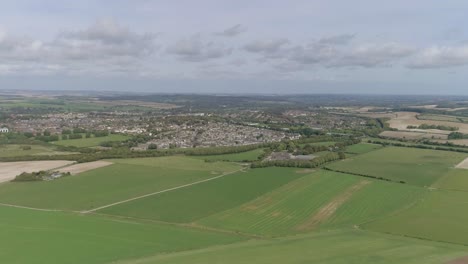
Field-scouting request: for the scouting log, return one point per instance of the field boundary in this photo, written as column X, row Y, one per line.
column 159, row 192
column 33, row 208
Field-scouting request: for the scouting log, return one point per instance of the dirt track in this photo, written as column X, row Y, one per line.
column 9, row 170
column 82, row 167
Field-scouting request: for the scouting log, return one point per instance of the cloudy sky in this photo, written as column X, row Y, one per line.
column 310, row 46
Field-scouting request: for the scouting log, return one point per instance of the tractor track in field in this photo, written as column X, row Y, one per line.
column 326, row 211
column 159, row 192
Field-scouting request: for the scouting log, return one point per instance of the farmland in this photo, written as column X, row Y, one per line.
column 201, row 200
column 335, row 247
column 414, row 166
column 380, row 205
column 438, row 216
column 91, row 239
column 13, row 150
column 112, row 183
column 287, row 209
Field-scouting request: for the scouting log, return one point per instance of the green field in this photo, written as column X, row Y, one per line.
column 331, row 247
column 123, row 180
column 236, row 157
column 90, row 142
column 284, row 210
column 455, row 179
column 362, row 148
column 14, row 150
column 414, row 166
column 198, row 201
column 264, row 215
column 30, row 236
column 440, row 215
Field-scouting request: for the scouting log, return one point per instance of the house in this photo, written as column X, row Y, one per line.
column 3, row 130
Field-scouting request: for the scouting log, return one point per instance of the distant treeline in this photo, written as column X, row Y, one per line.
column 440, row 127
column 436, row 146
column 314, row 163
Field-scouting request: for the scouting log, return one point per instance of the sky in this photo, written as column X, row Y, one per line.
column 238, row 46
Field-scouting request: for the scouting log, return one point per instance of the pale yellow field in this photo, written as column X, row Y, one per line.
column 9, row 170
column 82, row 167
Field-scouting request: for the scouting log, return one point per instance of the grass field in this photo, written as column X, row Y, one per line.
column 284, row 210
column 30, row 236
column 120, row 181
column 14, row 150
column 414, row 166
column 236, row 157
column 198, row 201
column 440, row 215
column 455, row 179
column 362, row 148
column 331, row 247
column 90, row 142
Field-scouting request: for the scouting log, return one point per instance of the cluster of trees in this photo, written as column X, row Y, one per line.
column 36, row 176
column 316, row 162
column 457, row 135
column 440, row 127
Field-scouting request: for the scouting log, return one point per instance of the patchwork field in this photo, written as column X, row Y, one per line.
column 320, row 199
column 198, row 201
column 402, row 120
column 90, row 142
column 9, row 170
column 413, row 166
column 122, row 180
column 413, row 135
column 182, row 209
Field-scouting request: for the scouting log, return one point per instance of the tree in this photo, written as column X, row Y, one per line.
column 152, row 146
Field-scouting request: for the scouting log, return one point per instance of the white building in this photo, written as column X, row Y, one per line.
column 3, row 130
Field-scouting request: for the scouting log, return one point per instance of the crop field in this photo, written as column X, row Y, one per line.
column 439, row 215
column 198, row 201
column 331, row 247
column 90, row 142
column 122, row 180
column 9, row 170
column 203, row 209
column 289, row 209
column 14, row 150
column 441, row 118
column 30, row 236
column 455, row 179
column 362, row 148
column 413, row 166
column 236, row 157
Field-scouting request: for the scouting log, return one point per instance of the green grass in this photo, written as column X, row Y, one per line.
column 455, row 179
column 331, row 247
column 198, row 201
column 414, row 166
column 236, row 157
column 362, row 148
column 120, row 181
column 14, row 150
column 281, row 211
column 90, row 142
column 30, row 237
column 440, row 215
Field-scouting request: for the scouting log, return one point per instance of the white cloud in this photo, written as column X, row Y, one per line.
column 441, row 57
column 195, row 49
